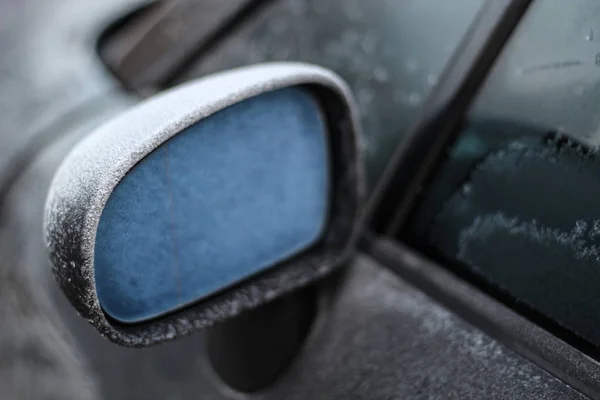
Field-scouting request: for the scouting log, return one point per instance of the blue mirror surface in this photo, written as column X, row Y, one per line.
column 222, row 200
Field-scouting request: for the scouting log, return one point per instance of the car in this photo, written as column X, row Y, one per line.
column 469, row 270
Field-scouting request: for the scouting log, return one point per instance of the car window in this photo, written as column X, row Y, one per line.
column 516, row 202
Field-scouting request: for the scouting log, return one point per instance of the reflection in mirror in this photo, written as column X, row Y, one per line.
column 224, row 199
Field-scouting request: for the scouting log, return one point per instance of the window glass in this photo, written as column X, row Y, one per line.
column 518, row 200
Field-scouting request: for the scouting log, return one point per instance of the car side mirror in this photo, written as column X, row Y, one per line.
column 207, row 200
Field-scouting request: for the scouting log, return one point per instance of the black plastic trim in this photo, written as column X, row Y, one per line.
column 424, row 147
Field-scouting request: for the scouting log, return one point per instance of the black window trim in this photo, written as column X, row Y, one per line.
column 424, row 146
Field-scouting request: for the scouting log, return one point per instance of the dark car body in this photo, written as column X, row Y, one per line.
column 392, row 325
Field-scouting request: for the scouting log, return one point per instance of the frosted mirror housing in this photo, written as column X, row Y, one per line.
column 206, row 200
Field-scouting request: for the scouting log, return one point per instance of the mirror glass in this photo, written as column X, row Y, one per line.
column 226, row 198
